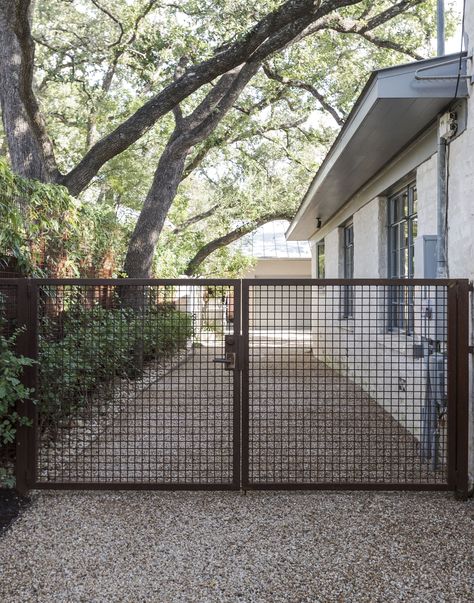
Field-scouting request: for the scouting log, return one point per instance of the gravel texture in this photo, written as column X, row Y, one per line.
column 10, row 506
column 308, row 423
column 263, row 547
column 73, row 438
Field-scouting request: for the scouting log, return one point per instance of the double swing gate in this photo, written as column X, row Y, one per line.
column 252, row 384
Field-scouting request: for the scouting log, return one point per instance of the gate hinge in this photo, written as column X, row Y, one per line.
column 470, row 286
column 470, row 349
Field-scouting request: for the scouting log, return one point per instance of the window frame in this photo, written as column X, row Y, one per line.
column 348, row 269
column 320, row 273
column 402, row 229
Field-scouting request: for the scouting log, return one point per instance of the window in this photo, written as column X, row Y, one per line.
column 320, row 264
column 402, row 231
column 348, row 259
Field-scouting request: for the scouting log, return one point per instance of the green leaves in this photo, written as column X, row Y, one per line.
column 97, row 345
column 12, row 391
column 43, row 228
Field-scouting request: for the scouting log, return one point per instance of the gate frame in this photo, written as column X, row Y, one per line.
column 457, row 390
column 458, row 372
column 27, row 440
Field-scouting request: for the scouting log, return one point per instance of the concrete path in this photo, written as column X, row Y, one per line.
column 225, row 547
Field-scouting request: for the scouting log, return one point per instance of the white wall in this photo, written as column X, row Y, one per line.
column 345, row 345
column 461, row 207
column 277, row 307
column 280, row 268
column 370, row 240
column 332, row 246
column 426, row 183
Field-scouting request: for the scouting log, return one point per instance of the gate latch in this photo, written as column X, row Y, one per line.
column 229, row 360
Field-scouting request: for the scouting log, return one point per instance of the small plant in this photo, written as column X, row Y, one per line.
column 12, row 391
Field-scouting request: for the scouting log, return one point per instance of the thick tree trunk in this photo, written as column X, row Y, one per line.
column 188, row 132
column 24, row 150
column 141, row 249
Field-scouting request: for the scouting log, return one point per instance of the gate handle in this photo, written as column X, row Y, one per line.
column 229, row 360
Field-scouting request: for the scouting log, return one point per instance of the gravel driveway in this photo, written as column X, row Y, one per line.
column 263, row 547
column 307, row 423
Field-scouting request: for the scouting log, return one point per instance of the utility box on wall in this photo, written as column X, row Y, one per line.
column 425, row 256
column 434, row 305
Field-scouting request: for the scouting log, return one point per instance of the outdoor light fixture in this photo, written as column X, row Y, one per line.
column 318, row 222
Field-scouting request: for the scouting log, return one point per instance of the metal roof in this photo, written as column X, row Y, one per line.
column 392, row 110
column 269, row 242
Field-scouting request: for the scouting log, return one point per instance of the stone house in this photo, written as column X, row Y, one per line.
column 394, row 198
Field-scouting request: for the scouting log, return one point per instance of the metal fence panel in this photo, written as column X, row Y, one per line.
column 129, row 393
column 333, row 399
column 226, row 384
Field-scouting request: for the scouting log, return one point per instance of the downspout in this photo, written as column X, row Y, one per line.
column 441, row 160
column 441, row 205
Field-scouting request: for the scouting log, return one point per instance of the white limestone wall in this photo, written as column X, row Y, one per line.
column 461, row 182
column 426, row 184
column 332, row 245
column 461, row 206
column 370, row 240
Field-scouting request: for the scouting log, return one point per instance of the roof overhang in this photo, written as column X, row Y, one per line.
column 392, row 110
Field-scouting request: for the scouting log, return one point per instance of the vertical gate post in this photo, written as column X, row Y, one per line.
column 237, row 347
column 27, row 345
column 245, row 384
column 461, row 385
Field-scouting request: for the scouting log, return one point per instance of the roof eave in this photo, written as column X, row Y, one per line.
column 410, row 88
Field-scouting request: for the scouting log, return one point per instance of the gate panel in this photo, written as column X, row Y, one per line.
column 129, row 395
column 360, row 398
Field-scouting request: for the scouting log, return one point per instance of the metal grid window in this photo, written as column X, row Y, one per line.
column 402, row 231
column 320, row 260
column 348, row 259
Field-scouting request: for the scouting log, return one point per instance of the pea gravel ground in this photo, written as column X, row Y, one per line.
column 263, row 547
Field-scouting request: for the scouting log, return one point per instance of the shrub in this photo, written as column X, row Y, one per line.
column 11, row 392
column 97, row 344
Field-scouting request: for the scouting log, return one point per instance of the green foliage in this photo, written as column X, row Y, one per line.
column 12, row 391
column 98, row 344
column 43, row 230
column 95, row 67
column 11, row 388
column 29, row 213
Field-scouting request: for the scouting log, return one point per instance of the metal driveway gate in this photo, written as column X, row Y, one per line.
column 372, row 395
column 131, row 388
column 253, row 384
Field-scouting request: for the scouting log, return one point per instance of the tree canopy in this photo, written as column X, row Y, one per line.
column 213, row 114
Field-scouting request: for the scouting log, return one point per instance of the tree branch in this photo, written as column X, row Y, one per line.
column 304, row 86
column 195, row 219
column 230, row 237
column 238, row 79
column 390, row 13
column 227, row 138
column 389, row 44
column 271, row 33
column 112, row 18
